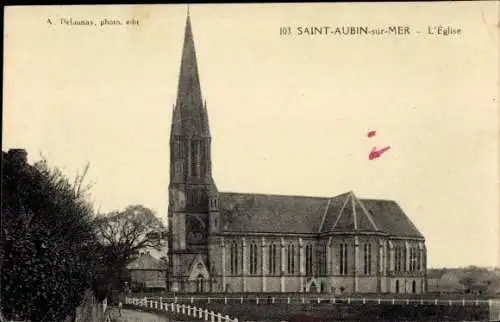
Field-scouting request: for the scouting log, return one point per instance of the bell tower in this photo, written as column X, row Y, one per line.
column 191, row 184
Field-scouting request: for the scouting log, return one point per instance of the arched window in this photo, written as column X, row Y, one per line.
column 414, row 287
column 202, row 160
column 291, row 259
column 273, row 259
column 418, row 259
column 321, row 260
column 234, row 258
column 253, row 259
column 178, row 147
column 367, row 252
column 397, row 286
column 309, row 260
column 343, row 259
column 194, row 158
column 404, row 259
column 200, row 283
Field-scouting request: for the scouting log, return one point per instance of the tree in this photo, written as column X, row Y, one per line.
column 48, row 240
column 467, row 281
column 123, row 235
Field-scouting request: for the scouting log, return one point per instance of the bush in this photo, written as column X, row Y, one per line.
column 48, row 241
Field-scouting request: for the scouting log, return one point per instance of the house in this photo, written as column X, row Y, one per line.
column 147, row 272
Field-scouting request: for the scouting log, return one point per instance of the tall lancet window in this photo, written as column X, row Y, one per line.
column 343, row 259
column 397, row 259
column 253, row 259
column 419, row 258
column 273, row 259
column 203, row 159
column 234, row 258
column 206, row 159
column 178, row 147
column 367, row 256
column 291, row 259
column 321, row 259
column 309, row 259
column 403, row 268
column 194, row 172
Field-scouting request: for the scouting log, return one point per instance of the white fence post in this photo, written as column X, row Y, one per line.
column 183, row 308
column 364, row 300
column 348, row 300
column 192, row 300
column 206, row 315
column 227, row 318
column 303, row 300
column 200, row 313
column 436, row 301
column 241, row 300
column 273, row 299
column 319, row 300
column 189, row 310
column 288, row 300
column 393, row 301
column 208, row 300
column 378, row 300
column 225, row 300
column 212, row 316
column 219, row 317
column 178, row 307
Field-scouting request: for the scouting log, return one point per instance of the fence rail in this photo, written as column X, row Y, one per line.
column 160, row 305
column 326, row 299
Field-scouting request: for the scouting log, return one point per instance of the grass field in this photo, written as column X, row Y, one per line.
column 343, row 311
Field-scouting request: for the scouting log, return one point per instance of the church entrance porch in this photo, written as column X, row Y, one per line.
column 312, row 286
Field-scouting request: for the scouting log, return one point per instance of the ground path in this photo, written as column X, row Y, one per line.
column 137, row 316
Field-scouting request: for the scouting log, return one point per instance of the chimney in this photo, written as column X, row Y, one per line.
column 19, row 155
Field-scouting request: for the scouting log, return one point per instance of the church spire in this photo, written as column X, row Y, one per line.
column 189, row 90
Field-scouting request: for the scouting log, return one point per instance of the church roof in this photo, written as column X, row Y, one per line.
column 261, row 213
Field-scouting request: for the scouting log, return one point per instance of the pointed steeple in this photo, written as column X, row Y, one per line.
column 189, row 89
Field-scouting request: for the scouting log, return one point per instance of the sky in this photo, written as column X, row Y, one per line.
column 288, row 114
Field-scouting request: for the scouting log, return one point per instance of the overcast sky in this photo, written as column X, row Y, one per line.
column 288, row 114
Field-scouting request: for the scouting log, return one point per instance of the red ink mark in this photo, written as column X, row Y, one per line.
column 377, row 153
column 372, row 133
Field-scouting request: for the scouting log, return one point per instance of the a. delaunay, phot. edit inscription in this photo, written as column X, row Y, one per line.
column 251, row 162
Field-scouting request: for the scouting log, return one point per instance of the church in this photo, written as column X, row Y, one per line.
column 250, row 242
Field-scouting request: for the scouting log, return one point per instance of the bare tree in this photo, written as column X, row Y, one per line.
column 123, row 235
